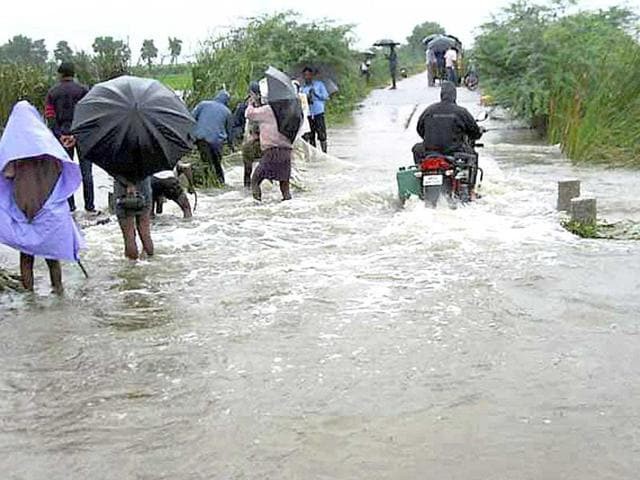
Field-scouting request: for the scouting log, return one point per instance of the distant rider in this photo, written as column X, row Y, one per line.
column 446, row 127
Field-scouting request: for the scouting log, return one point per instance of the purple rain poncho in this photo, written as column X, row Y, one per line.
column 52, row 234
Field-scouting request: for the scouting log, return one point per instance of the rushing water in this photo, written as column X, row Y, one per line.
column 337, row 336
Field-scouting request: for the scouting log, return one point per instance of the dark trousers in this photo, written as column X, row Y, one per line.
column 86, row 169
column 318, row 130
column 452, row 76
column 211, row 154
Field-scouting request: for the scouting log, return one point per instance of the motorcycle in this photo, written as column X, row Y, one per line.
column 453, row 177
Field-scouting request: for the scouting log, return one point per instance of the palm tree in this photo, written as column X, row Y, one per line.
column 148, row 52
column 175, row 49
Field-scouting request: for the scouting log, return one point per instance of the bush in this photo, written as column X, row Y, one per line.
column 236, row 58
column 575, row 76
column 21, row 82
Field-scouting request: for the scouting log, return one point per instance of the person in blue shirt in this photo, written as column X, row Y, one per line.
column 213, row 129
column 317, row 93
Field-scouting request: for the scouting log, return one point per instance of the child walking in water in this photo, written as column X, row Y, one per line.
column 36, row 179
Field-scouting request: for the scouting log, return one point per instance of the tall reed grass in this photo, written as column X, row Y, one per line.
column 576, row 76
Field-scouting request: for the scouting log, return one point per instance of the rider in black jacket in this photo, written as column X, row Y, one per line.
column 446, row 127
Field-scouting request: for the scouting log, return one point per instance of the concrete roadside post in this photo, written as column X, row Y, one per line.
column 567, row 191
column 584, row 211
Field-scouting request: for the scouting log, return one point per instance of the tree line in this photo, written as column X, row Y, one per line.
column 109, row 56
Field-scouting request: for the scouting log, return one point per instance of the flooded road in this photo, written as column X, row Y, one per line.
column 336, row 336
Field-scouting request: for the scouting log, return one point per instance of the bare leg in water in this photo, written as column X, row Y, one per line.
column 183, row 202
column 285, row 188
column 128, row 227
column 55, row 274
column 26, row 271
column 143, row 224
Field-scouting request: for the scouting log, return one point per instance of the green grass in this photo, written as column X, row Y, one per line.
column 177, row 81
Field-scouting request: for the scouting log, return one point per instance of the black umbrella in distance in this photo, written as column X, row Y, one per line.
column 284, row 101
column 442, row 44
column 430, row 38
column 133, row 127
column 385, row 42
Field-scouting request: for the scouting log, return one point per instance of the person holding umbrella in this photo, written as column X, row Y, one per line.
column 393, row 66
column 279, row 121
column 36, row 179
column 132, row 128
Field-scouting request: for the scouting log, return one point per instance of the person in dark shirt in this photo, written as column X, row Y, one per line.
column 60, row 106
column 446, row 127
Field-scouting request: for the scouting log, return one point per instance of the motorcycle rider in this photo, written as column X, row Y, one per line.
column 446, row 127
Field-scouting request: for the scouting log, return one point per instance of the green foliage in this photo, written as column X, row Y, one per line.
column 582, row 230
column 63, row 52
column 148, row 52
column 241, row 55
column 420, row 32
column 574, row 75
column 111, row 57
column 21, row 82
column 86, row 70
column 23, row 50
column 175, row 49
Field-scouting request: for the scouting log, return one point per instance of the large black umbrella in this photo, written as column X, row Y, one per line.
column 442, row 44
column 284, row 101
column 133, row 127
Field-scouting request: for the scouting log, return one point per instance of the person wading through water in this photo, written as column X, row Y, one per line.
column 133, row 209
column 275, row 164
column 213, row 130
column 251, row 151
column 36, row 179
column 318, row 95
column 59, row 110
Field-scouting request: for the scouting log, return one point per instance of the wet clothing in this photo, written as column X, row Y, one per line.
column 318, row 129
column 446, row 127
column 143, row 188
column 393, row 67
column 270, row 136
column 213, row 120
column 169, row 188
column 211, row 154
column 33, row 182
column 34, row 215
column 318, row 95
column 213, row 130
column 251, row 152
column 59, row 109
column 238, row 122
column 86, row 169
column 275, row 165
column 61, row 103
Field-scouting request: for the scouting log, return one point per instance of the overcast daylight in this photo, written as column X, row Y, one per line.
column 195, row 21
column 323, row 240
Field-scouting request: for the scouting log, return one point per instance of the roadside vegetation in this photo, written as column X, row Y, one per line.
column 235, row 58
column 230, row 60
column 574, row 76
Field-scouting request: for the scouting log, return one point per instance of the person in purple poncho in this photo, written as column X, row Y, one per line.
column 36, row 179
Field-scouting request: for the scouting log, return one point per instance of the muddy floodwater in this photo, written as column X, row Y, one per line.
column 339, row 337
